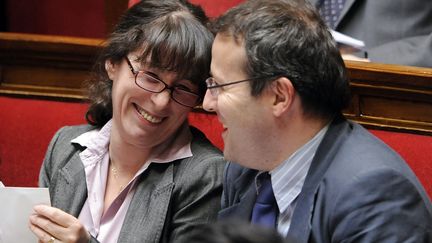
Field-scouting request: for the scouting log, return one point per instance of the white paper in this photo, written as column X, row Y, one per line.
column 347, row 40
column 16, row 206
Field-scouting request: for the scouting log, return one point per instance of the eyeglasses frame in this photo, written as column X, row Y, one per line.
column 233, row 82
column 172, row 89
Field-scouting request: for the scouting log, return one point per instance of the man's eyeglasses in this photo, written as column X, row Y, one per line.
column 179, row 93
column 214, row 88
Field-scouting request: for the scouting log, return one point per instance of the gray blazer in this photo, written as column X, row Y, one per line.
column 356, row 190
column 170, row 199
column 394, row 31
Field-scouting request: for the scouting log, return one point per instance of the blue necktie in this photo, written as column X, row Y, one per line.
column 265, row 210
column 330, row 11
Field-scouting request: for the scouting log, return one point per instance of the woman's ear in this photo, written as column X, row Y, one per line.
column 110, row 69
column 283, row 91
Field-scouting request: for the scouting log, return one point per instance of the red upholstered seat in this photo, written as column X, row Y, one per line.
column 26, row 128
column 415, row 149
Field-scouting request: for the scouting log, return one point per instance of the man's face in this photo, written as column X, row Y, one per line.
column 245, row 118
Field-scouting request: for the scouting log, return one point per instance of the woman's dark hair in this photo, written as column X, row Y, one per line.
column 285, row 38
column 170, row 34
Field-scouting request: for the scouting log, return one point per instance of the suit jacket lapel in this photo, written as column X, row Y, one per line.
column 301, row 221
column 242, row 209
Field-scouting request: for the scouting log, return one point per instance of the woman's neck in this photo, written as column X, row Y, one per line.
column 126, row 156
column 130, row 157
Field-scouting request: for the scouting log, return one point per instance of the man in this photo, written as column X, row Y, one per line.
column 394, row 31
column 278, row 87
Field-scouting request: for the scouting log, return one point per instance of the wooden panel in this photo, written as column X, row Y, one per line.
column 391, row 97
column 45, row 66
column 384, row 96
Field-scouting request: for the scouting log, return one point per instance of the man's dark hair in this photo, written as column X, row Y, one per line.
column 287, row 38
column 170, row 34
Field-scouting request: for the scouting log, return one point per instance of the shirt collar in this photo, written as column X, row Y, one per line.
column 288, row 178
column 97, row 143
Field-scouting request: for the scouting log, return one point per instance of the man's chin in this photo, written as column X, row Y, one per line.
column 228, row 155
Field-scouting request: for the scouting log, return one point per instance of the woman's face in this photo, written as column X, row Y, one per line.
column 140, row 117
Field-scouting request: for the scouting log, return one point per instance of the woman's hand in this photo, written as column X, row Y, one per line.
column 49, row 223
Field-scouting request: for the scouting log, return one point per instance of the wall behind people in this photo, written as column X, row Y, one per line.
column 52, row 17
column 216, row 8
column 80, row 18
column 212, row 8
column 384, row 41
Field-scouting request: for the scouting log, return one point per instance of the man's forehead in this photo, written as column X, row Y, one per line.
column 228, row 59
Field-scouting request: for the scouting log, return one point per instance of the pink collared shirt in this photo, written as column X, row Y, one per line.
column 105, row 227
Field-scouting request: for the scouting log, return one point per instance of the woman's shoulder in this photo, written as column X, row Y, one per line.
column 205, row 156
column 62, row 138
column 74, row 131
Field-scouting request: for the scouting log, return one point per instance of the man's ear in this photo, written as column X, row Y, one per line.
column 284, row 92
column 110, row 69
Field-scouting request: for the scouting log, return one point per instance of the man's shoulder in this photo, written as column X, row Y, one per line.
column 360, row 144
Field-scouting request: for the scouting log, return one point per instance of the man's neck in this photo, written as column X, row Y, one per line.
column 293, row 135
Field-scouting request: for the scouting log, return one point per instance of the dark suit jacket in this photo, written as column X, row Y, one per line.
column 171, row 199
column 394, row 31
column 356, row 190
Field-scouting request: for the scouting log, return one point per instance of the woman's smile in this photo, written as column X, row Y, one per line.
column 148, row 117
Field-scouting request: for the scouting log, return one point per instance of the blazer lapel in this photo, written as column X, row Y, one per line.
column 301, row 221
column 149, row 207
column 71, row 187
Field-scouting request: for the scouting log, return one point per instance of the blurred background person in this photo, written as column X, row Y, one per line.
column 394, row 31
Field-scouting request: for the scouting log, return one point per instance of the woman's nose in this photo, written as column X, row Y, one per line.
column 162, row 99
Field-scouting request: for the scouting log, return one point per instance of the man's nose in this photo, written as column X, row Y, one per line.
column 209, row 103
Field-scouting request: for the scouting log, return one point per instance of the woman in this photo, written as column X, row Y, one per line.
column 138, row 173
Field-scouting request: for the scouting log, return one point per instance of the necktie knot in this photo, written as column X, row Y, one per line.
column 265, row 210
column 265, row 191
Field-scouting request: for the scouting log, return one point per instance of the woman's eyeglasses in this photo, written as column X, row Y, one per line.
column 179, row 93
